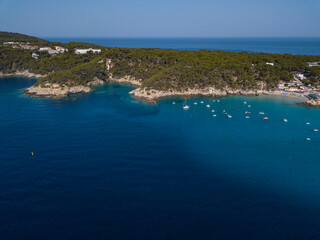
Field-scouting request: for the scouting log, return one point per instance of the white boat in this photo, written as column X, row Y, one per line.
column 308, row 139
column 307, row 123
column 195, row 103
column 244, row 102
column 285, row 120
column 214, row 100
column 213, row 111
column 315, row 130
column 214, row 115
column 201, row 102
column 265, row 118
column 229, row 116
column 185, row 106
column 223, row 110
column 218, row 100
column 207, row 105
column 247, row 117
column 173, row 102
column 261, row 113
column 249, row 105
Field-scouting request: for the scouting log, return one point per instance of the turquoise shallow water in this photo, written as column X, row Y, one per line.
column 108, row 166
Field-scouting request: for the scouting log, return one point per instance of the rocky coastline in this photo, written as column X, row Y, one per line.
column 152, row 95
column 313, row 102
column 148, row 95
column 24, row 73
column 57, row 90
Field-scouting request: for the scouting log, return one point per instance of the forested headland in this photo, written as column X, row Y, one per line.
column 158, row 69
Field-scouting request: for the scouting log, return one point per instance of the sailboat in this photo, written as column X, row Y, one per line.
column 185, row 106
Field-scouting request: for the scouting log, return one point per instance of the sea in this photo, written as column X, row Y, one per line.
column 105, row 165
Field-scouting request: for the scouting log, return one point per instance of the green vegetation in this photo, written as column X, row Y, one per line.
column 157, row 68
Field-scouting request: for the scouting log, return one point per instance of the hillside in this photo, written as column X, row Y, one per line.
column 155, row 69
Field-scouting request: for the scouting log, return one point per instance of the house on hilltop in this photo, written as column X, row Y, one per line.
column 84, row 51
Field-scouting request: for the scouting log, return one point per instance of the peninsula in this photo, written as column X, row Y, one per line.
column 67, row 68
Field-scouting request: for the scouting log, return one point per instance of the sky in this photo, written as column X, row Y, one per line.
column 161, row 18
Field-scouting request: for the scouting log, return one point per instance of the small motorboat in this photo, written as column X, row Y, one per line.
column 307, row 123
column 218, row 100
column 315, row 130
column 223, row 110
column 173, row 102
column 195, row 103
column 261, row 113
column 213, row 110
column 244, row 102
column 249, row 105
column 285, row 120
column 201, row 102
column 207, row 105
column 308, row 139
column 214, row 115
column 229, row 116
column 247, row 117
column 265, row 118
column 213, row 100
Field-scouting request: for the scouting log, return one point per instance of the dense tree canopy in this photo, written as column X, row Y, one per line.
column 157, row 68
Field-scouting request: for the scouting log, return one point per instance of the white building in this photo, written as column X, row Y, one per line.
column 45, row 49
column 270, row 63
column 313, row 64
column 300, row 76
column 61, row 49
column 34, row 55
column 84, row 51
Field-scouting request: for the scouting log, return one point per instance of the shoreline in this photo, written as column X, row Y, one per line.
column 24, row 73
column 150, row 96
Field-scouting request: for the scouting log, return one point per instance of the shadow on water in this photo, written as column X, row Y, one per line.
column 108, row 166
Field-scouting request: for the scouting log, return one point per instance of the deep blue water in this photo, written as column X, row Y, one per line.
column 108, row 166
column 307, row 46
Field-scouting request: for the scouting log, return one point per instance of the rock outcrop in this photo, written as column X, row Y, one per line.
column 313, row 102
column 55, row 90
